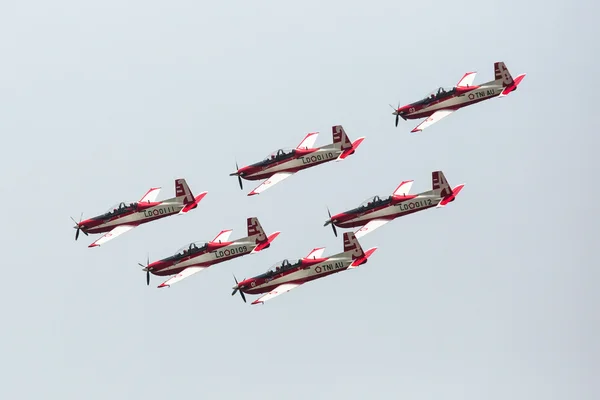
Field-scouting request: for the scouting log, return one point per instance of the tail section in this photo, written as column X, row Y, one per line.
column 183, row 190
column 255, row 229
column 256, row 232
column 439, row 184
column 359, row 257
column 502, row 74
column 351, row 245
column 341, row 141
column 449, row 199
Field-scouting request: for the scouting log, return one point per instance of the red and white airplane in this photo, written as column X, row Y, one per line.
column 198, row 256
column 287, row 275
column 283, row 163
column 123, row 217
column 376, row 212
column 443, row 102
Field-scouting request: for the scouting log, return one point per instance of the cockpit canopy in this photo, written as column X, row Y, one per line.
column 122, row 206
column 372, row 202
column 193, row 247
column 282, row 265
column 119, row 208
column 438, row 93
column 279, row 153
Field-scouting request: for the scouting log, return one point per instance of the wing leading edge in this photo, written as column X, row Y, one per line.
column 117, row 231
column 273, row 180
column 281, row 289
column 432, row 119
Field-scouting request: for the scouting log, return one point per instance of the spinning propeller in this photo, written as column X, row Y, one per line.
column 396, row 113
column 236, row 288
column 146, row 269
column 331, row 222
column 238, row 175
column 78, row 227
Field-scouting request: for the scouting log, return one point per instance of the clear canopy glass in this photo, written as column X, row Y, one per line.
column 191, row 248
column 124, row 205
column 283, row 265
column 279, row 153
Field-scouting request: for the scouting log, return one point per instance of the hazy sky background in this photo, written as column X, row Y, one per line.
column 493, row 297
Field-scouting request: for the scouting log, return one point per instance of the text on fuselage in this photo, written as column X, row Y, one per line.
column 159, row 211
column 482, row 93
column 415, row 205
column 317, row 157
column 231, row 252
column 329, row 267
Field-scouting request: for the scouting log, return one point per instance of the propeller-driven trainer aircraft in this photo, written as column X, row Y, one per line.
column 283, row 163
column 443, row 102
column 376, row 212
column 287, row 275
column 124, row 216
column 198, row 256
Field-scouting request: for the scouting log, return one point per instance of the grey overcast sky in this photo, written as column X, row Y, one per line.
column 493, row 297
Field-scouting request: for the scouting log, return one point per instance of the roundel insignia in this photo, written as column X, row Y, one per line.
column 471, row 96
column 318, row 270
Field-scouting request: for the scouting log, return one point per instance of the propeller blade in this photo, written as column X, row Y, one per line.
column 237, row 168
column 332, row 225
column 237, row 288
column 78, row 226
column 397, row 119
column 148, row 277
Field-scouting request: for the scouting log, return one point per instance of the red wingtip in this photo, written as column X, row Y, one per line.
column 162, row 285
column 94, row 245
column 252, row 193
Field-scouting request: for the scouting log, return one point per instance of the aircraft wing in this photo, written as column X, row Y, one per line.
column 403, row 188
column 119, row 230
column 150, row 195
column 281, row 289
column 181, row 276
column 370, row 227
column 223, row 236
column 276, row 178
column 467, row 80
column 435, row 117
column 308, row 141
column 316, row 253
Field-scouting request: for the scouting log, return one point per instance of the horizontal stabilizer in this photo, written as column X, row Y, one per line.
column 265, row 244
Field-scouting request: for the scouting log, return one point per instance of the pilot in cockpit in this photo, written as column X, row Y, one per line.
column 441, row 91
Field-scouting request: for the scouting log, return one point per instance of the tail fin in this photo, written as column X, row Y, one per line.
column 340, row 139
column 502, row 74
column 183, row 190
column 351, row 244
column 255, row 229
column 440, row 184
